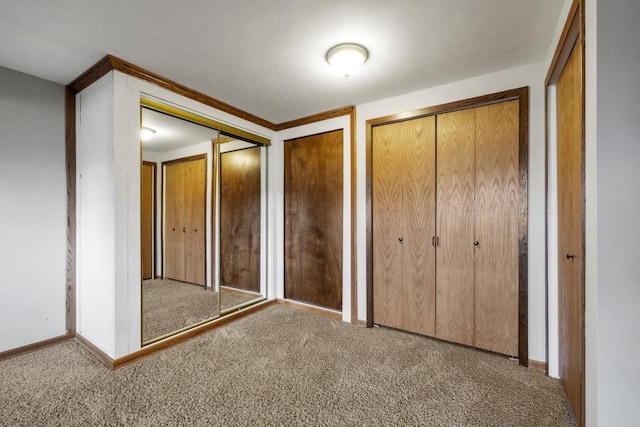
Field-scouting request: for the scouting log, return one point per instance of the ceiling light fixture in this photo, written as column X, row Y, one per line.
column 347, row 58
column 146, row 133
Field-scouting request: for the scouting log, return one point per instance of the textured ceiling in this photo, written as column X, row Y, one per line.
column 267, row 57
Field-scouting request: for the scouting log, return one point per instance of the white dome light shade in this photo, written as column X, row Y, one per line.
column 347, row 58
column 146, row 133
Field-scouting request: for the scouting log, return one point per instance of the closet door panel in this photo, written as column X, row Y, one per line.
column 418, row 260
column 174, row 221
column 571, row 232
column 313, row 187
column 195, row 182
column 387, row 175
column 496, row 227
column 455, row 263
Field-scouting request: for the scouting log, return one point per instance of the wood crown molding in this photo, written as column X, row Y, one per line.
column 338, row 112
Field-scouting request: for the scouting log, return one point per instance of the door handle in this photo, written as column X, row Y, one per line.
column 476, row 243
column 570, row 256
column 433, row 241
column 400, row 239
column 184, row 229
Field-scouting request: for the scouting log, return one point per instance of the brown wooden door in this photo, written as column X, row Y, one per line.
column 571, row 231
column 184, row 221
column 455, row 226
column 148, row 218
column 240, row 196
column 173, row 259
column 496, row 216
column 313, row 191
column 195, row 197
column 403, row 206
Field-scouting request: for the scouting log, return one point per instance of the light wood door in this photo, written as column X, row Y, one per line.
column 184, row 221
column 148, row 218
column 403, row 205
column 194, row 219
column 455, row 226
column 496, row 214
column 313, row 191
column 240, row 201
column 173, row 259
column 571, row 231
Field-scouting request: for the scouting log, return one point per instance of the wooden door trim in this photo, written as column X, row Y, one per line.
column 521, row 94
column 572, row 33
column 154, row 216
column 202, row 156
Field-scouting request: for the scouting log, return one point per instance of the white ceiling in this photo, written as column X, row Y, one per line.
column 267, row 57
column 172, row 132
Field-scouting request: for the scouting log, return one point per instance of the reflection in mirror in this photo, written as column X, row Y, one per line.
column 177, row 287
column 241, row 187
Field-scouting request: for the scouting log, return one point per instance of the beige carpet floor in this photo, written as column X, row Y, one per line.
column 281, row 366
column 169, row 305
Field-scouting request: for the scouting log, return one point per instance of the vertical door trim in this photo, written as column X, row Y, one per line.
column 572, row 33
column 522, row 94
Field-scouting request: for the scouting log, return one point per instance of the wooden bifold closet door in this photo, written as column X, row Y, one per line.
column 313, row 191
column 445, row 205
column 404, row 224
column 184, row 220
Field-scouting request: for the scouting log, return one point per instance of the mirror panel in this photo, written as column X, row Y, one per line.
column 203, row 213
column 240, row 203
column 177, row 288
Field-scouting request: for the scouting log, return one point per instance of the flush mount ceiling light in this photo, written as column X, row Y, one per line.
column 146, row 133
column 347, row 58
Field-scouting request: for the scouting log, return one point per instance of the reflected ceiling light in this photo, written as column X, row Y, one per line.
column 347, row 58
column 146, row 133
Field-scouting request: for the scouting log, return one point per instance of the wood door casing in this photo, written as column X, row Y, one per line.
column 313, row 195
column 571, row 231
column 148, row 218
column 404, row 224
column 454, row 226
column 496, row 227
column 240, row 203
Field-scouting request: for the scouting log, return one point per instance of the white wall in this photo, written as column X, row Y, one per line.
column 276, row 163
column 618, row 212
column 95, row 215
column 529, row 75
column 33, row 213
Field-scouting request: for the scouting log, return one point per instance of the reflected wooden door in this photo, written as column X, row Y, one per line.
column 184, row 220
column 148, row 218
column 173, row 258
column 496, row 227
column 313, row 191
column 403, row 203
column 240, row 196
column 195, row 184
column 571, row 231
column 455, row 226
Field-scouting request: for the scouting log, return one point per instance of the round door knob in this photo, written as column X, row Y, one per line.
column 476, row 243
column 400, row 239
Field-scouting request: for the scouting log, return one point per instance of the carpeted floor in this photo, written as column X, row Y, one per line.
column 281, row 366
column 168, row 305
